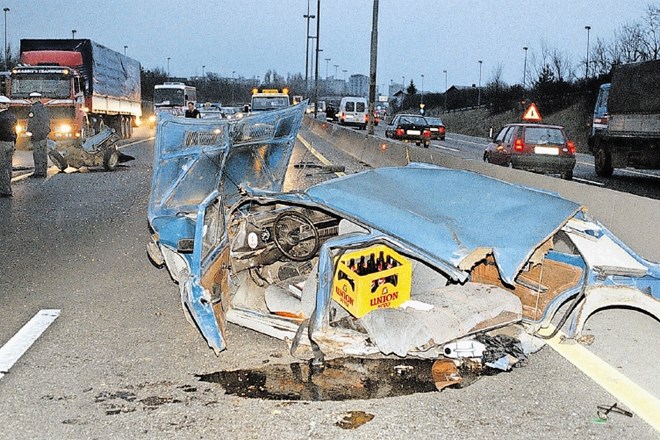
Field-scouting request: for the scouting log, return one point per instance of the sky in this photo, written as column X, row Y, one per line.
column 249, row 37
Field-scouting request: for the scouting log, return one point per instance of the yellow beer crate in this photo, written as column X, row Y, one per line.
column 385, row 288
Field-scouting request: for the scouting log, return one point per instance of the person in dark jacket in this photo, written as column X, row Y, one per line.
column 7, row 146
column 191, row 111
column 38, row 128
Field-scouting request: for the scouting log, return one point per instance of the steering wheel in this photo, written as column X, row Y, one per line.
column 295, row 236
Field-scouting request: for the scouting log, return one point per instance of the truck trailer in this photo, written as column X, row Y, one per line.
column 85, row 87
column 625, row 131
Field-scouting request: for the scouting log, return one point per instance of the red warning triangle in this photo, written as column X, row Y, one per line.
column 532, row 114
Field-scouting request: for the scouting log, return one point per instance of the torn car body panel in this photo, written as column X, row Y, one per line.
column 482, row 253
column 199, row 168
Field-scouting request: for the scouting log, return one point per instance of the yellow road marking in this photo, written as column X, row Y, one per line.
column 316, row 154
column 634, row 397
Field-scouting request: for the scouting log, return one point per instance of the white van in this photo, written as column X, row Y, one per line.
column 353, row 110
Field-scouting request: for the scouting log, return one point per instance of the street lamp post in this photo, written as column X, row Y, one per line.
column 318, row 54
column 422, row 89
column 525, row 69
column 445, row 72
column 586, row 67
column 203, row 67
column 6, row 61
column 233, row 86
column 73, row 34
column 336, row 67
column 307, row 17
column 125, row 47
column 479, row 93
column 168, row 68
column 327, row 60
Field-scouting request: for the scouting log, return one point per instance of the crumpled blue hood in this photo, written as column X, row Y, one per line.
column 450, row 213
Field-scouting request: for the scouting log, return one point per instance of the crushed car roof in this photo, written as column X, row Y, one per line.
column 450, row 214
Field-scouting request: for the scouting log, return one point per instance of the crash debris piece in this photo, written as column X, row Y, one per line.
column 445, row 373
column 354, row 419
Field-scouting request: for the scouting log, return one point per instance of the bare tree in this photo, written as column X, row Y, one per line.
column 600, row 62
column 651, row 37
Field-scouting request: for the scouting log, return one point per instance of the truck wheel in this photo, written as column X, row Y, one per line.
column 59, row 161
column 110, row 159
column 603, row 162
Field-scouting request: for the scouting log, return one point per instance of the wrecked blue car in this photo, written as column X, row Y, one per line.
column 370, row 262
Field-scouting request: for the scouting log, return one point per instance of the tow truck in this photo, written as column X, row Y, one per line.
column 269, row 99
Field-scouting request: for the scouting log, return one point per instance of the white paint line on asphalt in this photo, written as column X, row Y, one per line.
column 136, row 142
column 634, row 397
column 23, row 340
column 445, row 148
column 590, row 182
column 623, row 170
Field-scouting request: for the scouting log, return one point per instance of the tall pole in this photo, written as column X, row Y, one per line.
column 125, row 47
column 73, row 34
column 422, row 101
column 445, row 72
column 307, row 17
column 6, row 57
column 327, row 61
column 586, row 67
column 203, row 67
column 525, row 70
column 372, row 68
column 336, row 67
column 168, row 68
column 479, row 93
column 316, row 63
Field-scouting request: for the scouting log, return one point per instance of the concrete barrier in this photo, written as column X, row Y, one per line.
column 634, row 219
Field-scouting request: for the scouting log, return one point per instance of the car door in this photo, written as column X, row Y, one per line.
column 202, row 167
column 389, row 131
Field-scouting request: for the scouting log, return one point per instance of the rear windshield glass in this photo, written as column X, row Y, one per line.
column 542, row 135
column 360, row 107
column 434, row 121
column 412, row 120
column 350, row 106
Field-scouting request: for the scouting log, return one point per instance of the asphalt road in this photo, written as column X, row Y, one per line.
column 121, row 361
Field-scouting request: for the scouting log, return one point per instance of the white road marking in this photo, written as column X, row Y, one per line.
column 590, row 182
column 445, row 148
column 21, row 341
column 136, row 142
column 317, row 154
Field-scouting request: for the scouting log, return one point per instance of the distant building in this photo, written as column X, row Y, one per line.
column 394, row 88
column 358, row 85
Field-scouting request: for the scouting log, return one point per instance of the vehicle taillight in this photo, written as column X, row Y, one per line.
column 400, row 132
column 441, row 130
column 518, row 145
column 571, row 147
column 426, row 133
column 366, row 118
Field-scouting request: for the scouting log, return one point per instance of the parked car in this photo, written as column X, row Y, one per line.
column 409, row 128
column 437, row 128
column 328, row 267
column 533, row 147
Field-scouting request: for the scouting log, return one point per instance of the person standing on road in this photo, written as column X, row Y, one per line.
column 191, row 111
column 38, row 127
column 7, row 146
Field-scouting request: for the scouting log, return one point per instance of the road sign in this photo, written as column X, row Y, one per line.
column 532, row 114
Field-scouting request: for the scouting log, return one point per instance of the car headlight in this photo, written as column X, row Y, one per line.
column 152, row 118
column 64, row 129
column 19, row 129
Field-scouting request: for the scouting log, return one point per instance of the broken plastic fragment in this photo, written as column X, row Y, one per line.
column 468, row 348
